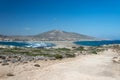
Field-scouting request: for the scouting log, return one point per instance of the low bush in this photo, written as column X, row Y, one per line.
column 81, row 48
column 94, row 52
column 70, row 55
column 58, row 56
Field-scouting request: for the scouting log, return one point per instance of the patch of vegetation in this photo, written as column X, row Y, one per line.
column 58, row 56
column 56, row 53
column 116, row 47
column 63, row 49
column 81, row 48
column 70, row 55
column 94, row 52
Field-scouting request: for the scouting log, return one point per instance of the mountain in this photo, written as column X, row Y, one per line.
column 2, row 36
column 53, row 35
column 57, row 35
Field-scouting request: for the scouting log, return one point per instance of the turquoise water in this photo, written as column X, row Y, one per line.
column 42, row 44
column 26, row 44
column 97, row 43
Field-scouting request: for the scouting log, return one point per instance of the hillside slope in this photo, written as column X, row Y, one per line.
column 57, row 35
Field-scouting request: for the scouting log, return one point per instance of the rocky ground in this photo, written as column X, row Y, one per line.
column 82, row 63
column 83, row 67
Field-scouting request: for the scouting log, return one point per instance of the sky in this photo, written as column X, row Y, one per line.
column 98, row 18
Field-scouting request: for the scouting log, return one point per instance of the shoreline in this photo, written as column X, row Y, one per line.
column 58, row 44
column 65, row 44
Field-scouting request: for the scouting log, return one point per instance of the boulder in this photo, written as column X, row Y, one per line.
column 116, row 59
column 52, row 58
column 39, row 58
column 5, row 63
column 3, row 57
column 10, row 74
column 37, row 65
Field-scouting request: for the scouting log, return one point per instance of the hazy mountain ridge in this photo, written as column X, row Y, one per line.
column 58, row 35
column 53, row 35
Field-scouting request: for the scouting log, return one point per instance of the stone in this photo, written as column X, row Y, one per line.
column 2, row 57
column 14, row 61
column 39, row 58
column 37, row 65
column 5, row 63
column 0, row 61
column 52, row 58
column 116, row 59
column 10, row 74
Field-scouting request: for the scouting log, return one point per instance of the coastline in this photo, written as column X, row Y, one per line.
column 67, row 44
column 85, row 61
column 58, row 44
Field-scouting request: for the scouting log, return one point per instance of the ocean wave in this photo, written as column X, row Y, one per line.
column 27, row 44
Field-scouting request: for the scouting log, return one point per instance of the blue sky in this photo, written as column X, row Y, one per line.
column 99, row 18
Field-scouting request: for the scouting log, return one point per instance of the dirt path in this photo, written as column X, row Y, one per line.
column 89, row 67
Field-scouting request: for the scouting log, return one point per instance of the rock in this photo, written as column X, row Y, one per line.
column 52, row 58
column 5, row 63
column 24, row 59
column 19, row 59
column 0, row 61
column 77, row 54
column 2, row 57
column 10, row 74
column 15, row 56
column 14, row 61
column 45, row 59
column 37, row 65
column 25, row 62
column 39, row 58
column 116, row 59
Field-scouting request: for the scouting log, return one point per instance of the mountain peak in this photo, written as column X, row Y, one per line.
column 56, row 31
column 59, row 35
column 53, row 35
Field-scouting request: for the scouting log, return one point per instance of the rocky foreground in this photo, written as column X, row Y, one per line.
column 77, row 63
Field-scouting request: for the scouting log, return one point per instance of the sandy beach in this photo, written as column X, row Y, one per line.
column 83, row 67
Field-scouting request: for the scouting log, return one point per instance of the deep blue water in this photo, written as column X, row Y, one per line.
column 97, row 43
column 26, row 44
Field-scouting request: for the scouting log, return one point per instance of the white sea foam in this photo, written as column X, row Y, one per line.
column 27, row 44
column 38, row 44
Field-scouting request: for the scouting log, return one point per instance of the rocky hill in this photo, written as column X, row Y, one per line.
column 2, row 37
column 53, row 35
column 57, row 35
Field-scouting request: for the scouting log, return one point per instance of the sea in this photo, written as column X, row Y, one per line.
column 26, row 44
column 44, row 44
column 97, row 43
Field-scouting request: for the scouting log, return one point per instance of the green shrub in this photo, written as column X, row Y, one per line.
column 58, row 56
column 70, row 55
column 81, row 48
column 63, row 49
column 94, row 52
